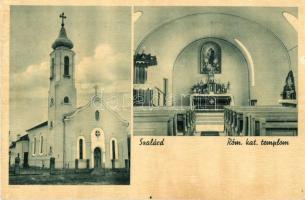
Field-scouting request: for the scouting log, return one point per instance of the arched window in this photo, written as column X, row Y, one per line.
column 66, row 100
column 34, row 146
column 81, row 149
column 97, row 115
column 41, row 144
column 66, row 66
column 113, row 149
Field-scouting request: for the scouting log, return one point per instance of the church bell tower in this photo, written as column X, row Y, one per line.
column 62, row 91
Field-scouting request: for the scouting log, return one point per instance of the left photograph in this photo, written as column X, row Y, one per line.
column 70, row 103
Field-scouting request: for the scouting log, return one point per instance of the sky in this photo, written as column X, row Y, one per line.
column 102, row 43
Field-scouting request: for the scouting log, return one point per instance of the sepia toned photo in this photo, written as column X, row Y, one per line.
column 215, row 71
column 69, row 95
column 97, row 96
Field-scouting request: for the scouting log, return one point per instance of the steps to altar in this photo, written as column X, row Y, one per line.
column 209, row 122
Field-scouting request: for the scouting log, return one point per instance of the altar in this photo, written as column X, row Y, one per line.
column 211, row 101
column 211, row 95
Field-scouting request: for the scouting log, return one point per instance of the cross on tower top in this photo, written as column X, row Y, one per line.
column 62, row 16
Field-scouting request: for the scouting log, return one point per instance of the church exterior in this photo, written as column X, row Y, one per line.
column 90, row 136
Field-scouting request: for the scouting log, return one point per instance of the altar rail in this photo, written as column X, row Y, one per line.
column 161, row 121
column 260, row 121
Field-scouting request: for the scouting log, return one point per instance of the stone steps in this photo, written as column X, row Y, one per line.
column 214, row 118
column 210, row 121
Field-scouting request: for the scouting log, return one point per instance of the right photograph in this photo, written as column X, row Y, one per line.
column 215, row 71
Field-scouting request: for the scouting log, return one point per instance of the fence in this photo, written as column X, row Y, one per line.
column 52, row 166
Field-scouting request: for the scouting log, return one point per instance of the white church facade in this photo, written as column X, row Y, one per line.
column 90, row 136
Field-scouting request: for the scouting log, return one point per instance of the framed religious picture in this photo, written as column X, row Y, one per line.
column 210, row 58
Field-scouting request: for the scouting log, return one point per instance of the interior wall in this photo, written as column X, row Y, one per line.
column 271, row 59
column 234, row 69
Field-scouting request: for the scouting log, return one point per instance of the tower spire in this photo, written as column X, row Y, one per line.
column 63, row 17
column 62, row 40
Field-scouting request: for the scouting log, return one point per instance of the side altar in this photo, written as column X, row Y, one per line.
column 210, row 95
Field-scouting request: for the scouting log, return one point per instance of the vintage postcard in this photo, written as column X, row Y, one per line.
column 93, row 92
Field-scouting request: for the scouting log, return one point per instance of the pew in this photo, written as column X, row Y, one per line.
column 238, row 119
column 234, row 116
column 286, row 123
column 163, row 121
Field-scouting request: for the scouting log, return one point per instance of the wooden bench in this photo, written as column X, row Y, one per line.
column 233, row 116
column 273, row 122
column 238, row 121
column 162, row 121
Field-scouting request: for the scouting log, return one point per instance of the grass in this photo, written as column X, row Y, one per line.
column 109, row 178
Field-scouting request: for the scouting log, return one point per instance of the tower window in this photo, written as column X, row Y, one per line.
column 97, row 115
column 53, row 68
column 66, row 66
column 66, row 100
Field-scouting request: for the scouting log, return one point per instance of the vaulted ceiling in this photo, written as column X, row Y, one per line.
column 151, row 19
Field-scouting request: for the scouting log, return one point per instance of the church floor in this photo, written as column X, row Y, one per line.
column 44, row 178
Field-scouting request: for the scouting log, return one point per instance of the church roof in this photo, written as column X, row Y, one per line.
column 38, row 126
column 23, row 138
column 62, row 40
column 13, row 145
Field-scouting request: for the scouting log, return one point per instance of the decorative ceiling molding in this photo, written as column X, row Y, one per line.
column 249, row 59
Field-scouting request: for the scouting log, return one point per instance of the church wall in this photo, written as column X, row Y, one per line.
column 13, row 155
column 84, row 123
column 234, row 69
column 39, row 159
column 20, row 148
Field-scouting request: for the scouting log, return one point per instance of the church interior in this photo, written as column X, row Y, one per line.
column 215, row 71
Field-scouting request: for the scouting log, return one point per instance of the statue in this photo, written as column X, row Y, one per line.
column 289, row 88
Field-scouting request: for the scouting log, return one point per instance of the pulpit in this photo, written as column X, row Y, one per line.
column 142, row 93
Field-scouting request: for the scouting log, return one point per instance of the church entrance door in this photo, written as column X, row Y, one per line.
column 97, row 157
